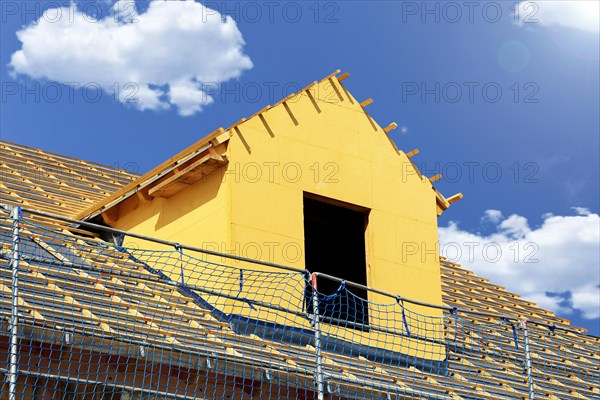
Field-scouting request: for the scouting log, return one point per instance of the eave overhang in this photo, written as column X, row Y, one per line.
column 173, row 175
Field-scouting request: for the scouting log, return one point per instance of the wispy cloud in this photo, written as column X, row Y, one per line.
column 556, row 264
column 492, row 216
column 154, row 60
column 577, row 14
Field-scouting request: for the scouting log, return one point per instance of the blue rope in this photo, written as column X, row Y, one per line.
column 180, row 250
column 247, row 301
column 336, row 293
column 514, row 329
column 182, row 289
column 307, row 291
column 454, row 312
column 401, row 303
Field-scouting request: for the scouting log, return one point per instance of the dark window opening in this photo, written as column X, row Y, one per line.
column 334, row 240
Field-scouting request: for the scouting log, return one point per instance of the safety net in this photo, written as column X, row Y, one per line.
column 89, row 318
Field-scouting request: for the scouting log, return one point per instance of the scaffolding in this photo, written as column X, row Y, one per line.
column 85, row 318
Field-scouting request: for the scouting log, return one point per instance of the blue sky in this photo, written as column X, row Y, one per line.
column 504, row 105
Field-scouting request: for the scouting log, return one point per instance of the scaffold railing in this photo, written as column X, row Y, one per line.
column 89, row 318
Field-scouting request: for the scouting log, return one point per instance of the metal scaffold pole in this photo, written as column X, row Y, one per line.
column 319, row 378
column 12, row 373
column 528, row 364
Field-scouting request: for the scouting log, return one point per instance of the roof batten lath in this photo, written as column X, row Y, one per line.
column 52, row 182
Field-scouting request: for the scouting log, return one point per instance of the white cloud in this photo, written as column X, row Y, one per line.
column 167, row 52
column 581, row 210
column 492, row 216
column 578, row 14
column 515, row 227
column 556, row 264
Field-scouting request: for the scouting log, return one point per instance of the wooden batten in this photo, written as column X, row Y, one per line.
column 455, row 198
column 110, row 215
column 313, row 101
column 390, row 127
column 412, row 153
column 55, row 183
column 366, row 102
column 197, row 170
column 290, row 113
column 343, row 76
column 441, row 203
column 435, row 178
column 333, row 74
column 143, row 195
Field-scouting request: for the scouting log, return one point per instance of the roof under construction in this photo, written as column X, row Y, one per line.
column 82, row 300
column 84, row 314
column 55, row 183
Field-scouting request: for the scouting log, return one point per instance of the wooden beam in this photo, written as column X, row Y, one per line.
column 412, row 153
column 366, row 102
column 289, row 111
column 306, row 89
column 85, row 310
column 391, row 126
column 435, row 178
column 110, row 215
column 148, row 177
column 143, row 195
column 455, row 198
column 266, row 125
column 343, row 76
column 7, row 292
column 313, row 101
column 206, row 165
column 214, row 154
column 334, row 73
column 259, row 112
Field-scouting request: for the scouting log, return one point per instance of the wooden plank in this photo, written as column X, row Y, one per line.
column 366, row 102
column 390, row 127
column 29, row 192
column 345, row 75
column 55, row 190
column 205, row 166
column 454, row 198
column 62, row 176
column 412, row 153
column 435, row 178
column 98, row 168
column 21, row 303
column 334, row 73
column 73, row 173
column 152, row 175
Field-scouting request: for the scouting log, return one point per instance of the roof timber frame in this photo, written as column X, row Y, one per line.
column 48, row 181
column 205, row 156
